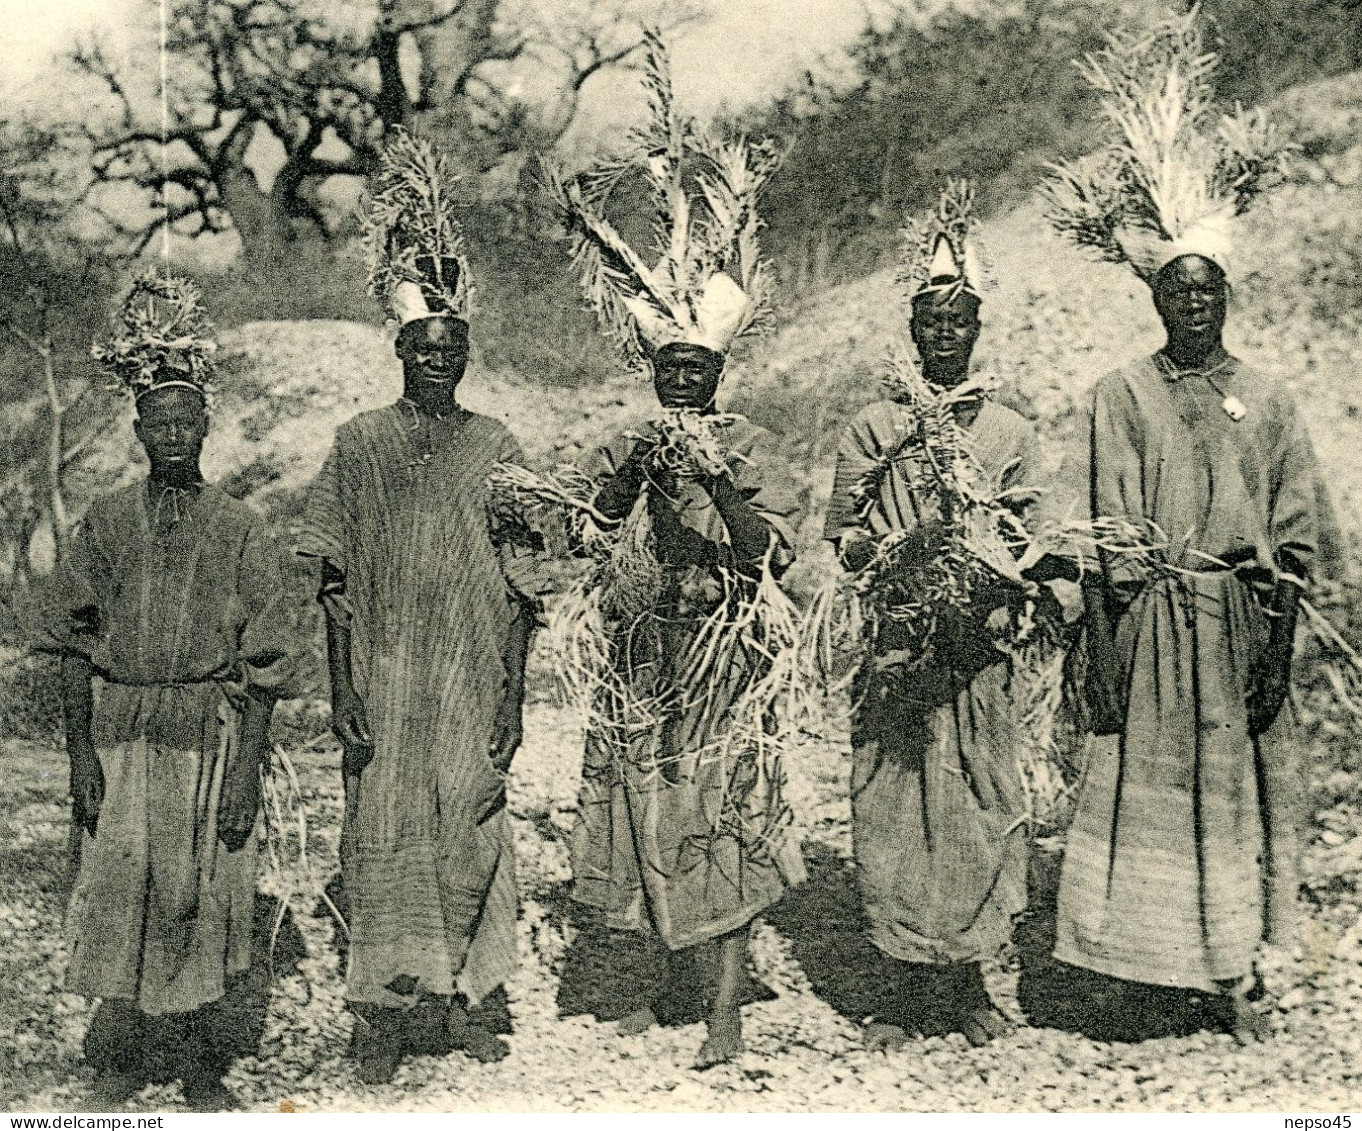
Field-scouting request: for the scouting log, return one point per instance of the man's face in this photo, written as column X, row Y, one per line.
column 944, row 327
column 1191, row 295
column 434, row 350
column 172, row 423
column 687, row 376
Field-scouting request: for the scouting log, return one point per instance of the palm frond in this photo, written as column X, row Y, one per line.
column 696, row 235
column 411, row 231
column 1172, row 165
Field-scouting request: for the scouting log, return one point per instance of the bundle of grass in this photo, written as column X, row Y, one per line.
column 751, row 627
column 709, row 284
column 290, row 876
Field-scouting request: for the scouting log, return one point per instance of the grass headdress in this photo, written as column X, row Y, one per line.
column 161, row 338
column 940, row 250
column 707, row 283
column 1176, row 172
column 413, row 241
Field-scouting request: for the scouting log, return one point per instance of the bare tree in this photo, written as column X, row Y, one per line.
column 44, row 277
column 487, row 78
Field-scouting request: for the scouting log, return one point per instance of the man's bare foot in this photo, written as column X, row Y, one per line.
column 880, row 1036
column 983, row 1022
column 724, row 1042
column 1247, row 1024
column 675, row 1003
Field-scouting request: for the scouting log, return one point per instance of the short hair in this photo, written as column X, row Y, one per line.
column 678, row 352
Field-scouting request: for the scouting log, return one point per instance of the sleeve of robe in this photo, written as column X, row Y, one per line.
column 67, row 615
column 1298, row 503
column 266, row 625
column 1021, row 476
column 320, row 534
column 524, row 566
column 858, row 451
column 1114, row 471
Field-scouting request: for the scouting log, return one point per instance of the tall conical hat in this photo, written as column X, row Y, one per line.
column 940, row 251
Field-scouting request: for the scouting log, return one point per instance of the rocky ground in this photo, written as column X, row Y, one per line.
column 1054, row 323
column 814, row 978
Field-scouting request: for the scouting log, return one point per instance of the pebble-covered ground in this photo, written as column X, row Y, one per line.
column 813, row 976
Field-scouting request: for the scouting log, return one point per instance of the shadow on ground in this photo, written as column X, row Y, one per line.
column 823, row 921
column 1054, row 995
column 609, row 974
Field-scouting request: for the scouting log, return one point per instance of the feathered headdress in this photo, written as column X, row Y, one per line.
column 940, row 250
column 1176, row 173
column 161, row 338
column 413, row 242
column 709, row 284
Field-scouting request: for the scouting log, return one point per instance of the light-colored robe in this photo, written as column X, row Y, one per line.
column 399, row 509
column 1182, row 855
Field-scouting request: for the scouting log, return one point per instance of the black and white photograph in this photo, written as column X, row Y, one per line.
column 681, row 556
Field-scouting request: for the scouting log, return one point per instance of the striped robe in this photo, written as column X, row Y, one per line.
column 1182, row 855
column 426, row 853
column 935, row 792
column 176, row 626
column 679, row 832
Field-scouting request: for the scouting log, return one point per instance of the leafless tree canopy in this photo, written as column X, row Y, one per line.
column 487, row 78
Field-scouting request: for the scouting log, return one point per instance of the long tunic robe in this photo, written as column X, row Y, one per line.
column 399, row 509
column 681, row 832
column 176, row 626
column 935, row 792
column 1182, row 853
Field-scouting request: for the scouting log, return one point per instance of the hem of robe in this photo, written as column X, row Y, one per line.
column 977, row 945
column 484, row 965
column 1132, row 970
column 715, row 928
column 91, row 988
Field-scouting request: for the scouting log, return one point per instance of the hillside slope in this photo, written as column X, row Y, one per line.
column 1055, row 321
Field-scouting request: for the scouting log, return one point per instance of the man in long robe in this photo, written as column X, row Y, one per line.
column 1182, row 855
column 937, row 800
column 170, row 618
column 427, row 640
column 684, row 830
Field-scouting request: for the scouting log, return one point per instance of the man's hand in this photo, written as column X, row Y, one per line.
column 1270, row 684
column 1267, row 697
column 1105, row 700
column 350, row 724
column 240, row 801
column 1106, row 704
column 87, row 785
column 507, row 733
column 616, row 497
